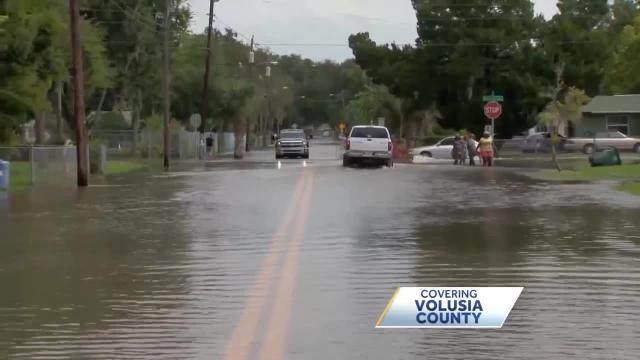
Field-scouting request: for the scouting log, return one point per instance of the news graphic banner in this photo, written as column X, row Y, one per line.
column 439, row 307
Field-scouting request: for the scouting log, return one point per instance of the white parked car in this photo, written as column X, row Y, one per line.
column 441, row 150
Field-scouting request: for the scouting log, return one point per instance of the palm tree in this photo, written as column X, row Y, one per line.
column 560, row 112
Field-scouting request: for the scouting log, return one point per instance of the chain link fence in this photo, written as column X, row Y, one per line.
column 41, row 165
column 148, row 144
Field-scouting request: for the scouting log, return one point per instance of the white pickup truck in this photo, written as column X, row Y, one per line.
column 368, row 144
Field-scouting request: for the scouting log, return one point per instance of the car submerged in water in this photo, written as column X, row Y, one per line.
column 292, row 143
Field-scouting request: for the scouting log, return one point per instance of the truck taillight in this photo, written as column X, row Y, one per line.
column 347, row 145
column 390, row 146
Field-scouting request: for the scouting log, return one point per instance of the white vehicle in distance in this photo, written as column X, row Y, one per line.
column 441, row 150
column 368, row 144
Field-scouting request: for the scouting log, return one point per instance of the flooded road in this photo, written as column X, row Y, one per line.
column 252, row 260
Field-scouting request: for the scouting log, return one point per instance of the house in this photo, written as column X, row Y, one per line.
column 610, row 113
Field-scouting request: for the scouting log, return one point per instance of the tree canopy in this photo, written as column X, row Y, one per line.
column 466, row 50
column 122, row 58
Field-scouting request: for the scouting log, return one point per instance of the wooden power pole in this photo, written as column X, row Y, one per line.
column 204, row 109
column 251, row 61
column 78, row 95
column 166, row 85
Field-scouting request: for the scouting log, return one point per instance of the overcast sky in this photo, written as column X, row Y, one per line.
column 319, row 29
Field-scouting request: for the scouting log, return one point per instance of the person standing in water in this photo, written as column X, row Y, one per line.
column 485, row 146
column 459, row 151
column 472, row 145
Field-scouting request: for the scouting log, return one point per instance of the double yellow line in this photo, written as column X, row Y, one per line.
column 290, row 235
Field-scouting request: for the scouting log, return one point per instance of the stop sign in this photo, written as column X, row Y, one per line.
column 493, row 110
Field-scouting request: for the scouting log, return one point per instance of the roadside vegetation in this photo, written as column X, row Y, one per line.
column 21, row 173
column 627, row 176
column 462, row 53
column 587, row 173
column 115, row 167
column 20, row 176
column 631, row 188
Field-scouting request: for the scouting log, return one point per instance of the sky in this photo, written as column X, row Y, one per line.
column 318, row 29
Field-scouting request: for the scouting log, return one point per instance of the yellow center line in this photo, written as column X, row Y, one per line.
column 275, row 342
column 240, row 343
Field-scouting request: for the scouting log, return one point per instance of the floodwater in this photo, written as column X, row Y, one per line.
column 253, row 260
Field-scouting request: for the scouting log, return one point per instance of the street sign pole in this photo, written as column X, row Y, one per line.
column 493, row 109
column 493, row 128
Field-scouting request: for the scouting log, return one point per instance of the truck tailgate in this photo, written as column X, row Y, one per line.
column 369, row 144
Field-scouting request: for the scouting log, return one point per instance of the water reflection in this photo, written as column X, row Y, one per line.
column 159, row 267
column 76, row 273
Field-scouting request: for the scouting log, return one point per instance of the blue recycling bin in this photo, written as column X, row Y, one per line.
column 4, row 175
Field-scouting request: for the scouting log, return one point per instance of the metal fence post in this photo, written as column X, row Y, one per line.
column 179, row 145
column 88, row 160
column 103, row 159
column 148, row 133
column 33, row 166
column 196, row 141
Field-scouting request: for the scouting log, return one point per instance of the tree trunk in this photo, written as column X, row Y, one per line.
column 240, row 133
column 41, row 117
column 96, row 118
column 39, row 127
column 411, row 143
column 221, row 131
column 59, row 112
column 470, row 84
column 136, row 119
column 554, row 156
column 559, row 70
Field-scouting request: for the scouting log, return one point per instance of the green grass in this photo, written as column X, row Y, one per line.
column 628, row 176
column 630, row 188
column 622, row 172
column 20, row 174
column 115, row 167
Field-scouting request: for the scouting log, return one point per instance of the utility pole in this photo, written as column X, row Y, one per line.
column 268, row 76
column 166, row 85
column 204, row 110
column 78, row 95
column 251, row 61
column 343, row 105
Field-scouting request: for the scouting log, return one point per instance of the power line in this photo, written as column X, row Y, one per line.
column 231, row 27
column 135, row 15
column 120, row 11
column 308, row 44
column 429, row 44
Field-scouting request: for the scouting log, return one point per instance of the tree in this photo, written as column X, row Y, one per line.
column 578, row 40
column 28, row 61
column 461, row 54
column 623, row 74
column 562, row 111
column 132, row 45
column 122, row 56
column 35, row 58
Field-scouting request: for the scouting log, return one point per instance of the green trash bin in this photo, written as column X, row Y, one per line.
column 606, row 157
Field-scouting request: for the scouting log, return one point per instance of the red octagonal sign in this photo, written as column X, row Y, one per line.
column 493, row 110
